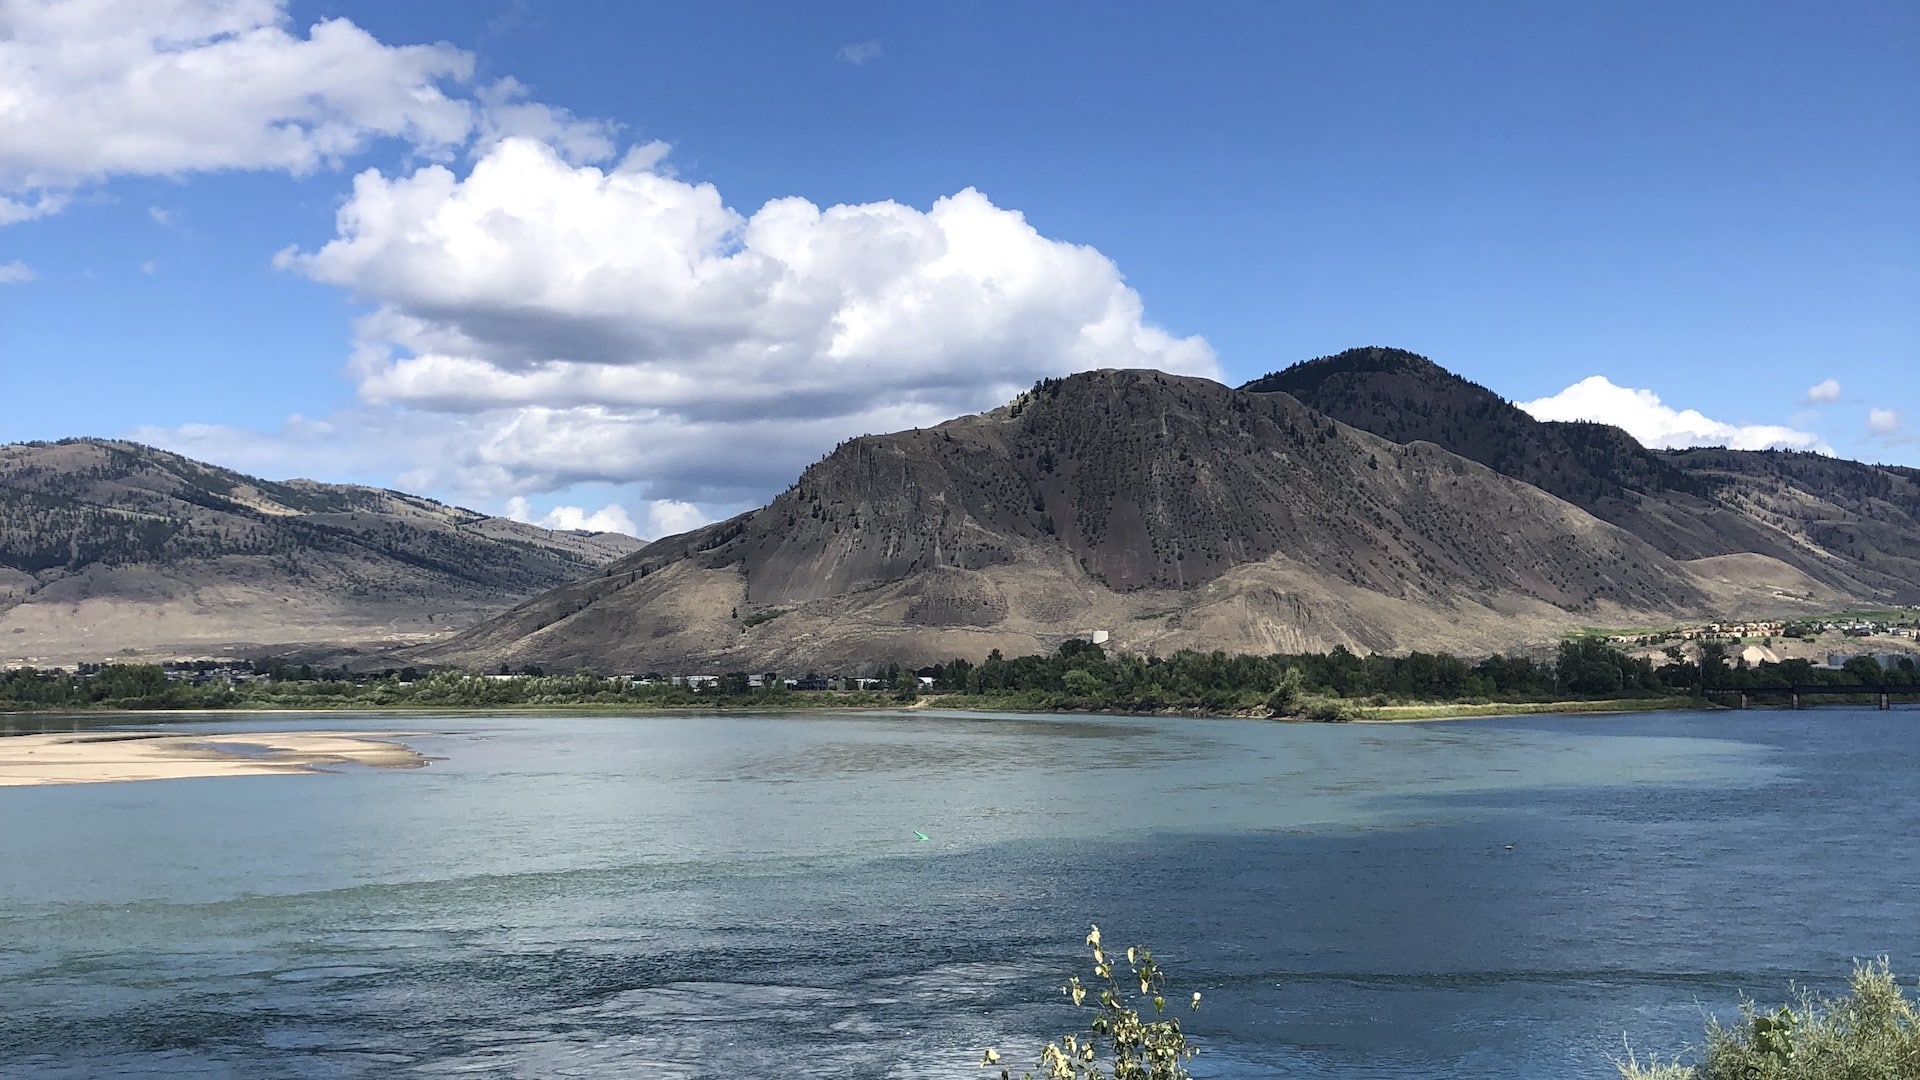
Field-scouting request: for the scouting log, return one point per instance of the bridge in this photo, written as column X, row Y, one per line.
column 1794, row 696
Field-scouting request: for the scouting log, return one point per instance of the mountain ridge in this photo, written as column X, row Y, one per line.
column 1371, row 500
column 1690, row 504
column 110, row 547
column 1173, row 512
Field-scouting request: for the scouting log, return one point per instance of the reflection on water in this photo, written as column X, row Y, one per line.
column 745, row 896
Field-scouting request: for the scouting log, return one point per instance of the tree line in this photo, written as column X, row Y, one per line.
column 1079, row 675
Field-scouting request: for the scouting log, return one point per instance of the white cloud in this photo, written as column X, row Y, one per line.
column 40, row 204
column 1642, row 414
column 506, row 113
column 541, row 320
column 620, row 325
column 93, row 88
column 1823, row 392
column 666, row 517
column 860, row 52
column 484, row 456
column 97, row 88
column 15, row 272
column 163, row 217
column 609, row 518
column 1883, row 422
column 149, row 267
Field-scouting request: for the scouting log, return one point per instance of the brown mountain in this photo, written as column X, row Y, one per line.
column 1171, row 512
column 1853, row 527
column 112, row 548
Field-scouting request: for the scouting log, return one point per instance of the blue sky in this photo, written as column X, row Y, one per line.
column 613, row 289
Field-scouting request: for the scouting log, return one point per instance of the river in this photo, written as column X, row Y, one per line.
column 746, row 896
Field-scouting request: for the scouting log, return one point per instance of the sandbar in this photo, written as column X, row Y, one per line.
column 100, row 757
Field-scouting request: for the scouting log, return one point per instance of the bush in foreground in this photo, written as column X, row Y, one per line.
column 1118, row 1040
column 1872, row 1033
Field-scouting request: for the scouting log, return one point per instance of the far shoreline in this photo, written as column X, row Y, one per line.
column 1419, row 712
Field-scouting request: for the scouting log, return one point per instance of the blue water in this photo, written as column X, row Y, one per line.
column 744, row 896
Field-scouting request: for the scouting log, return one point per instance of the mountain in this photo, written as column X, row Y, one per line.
column 1855, row 528
column 1171, row 512
column 110, row 548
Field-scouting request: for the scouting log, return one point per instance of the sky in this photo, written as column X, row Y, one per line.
column 634, row 266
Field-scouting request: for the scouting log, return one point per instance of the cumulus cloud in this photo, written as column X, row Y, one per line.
column 1823, row 392
column 860, row 52
column 507, row 112
column 160, row 87
column 1644, row 416
column 622, row 325
column 545, row 311
column 488, row 456
column 97, row 88
column 665, row 517
column 609, row 518
column 15, row 272
column 1883, row 422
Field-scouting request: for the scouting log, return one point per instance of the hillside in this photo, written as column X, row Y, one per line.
column 1854, row 528
column 1172, row 512
column 113, row 548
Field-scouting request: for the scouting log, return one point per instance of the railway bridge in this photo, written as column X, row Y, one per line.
column 1796, row 696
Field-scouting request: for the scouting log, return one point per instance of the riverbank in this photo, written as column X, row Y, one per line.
column 118, row 756
column 1329, row 710
column 1400, row 714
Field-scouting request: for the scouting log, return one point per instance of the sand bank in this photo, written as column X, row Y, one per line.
column 106, row 756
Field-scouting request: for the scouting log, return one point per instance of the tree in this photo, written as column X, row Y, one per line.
column 1589, row 667
column 953, row 676
column 1083, row 684
column 1286, row 695
column 1865, row 670
column 1077, row 649
column 1131, row 1048
column 1713, row 664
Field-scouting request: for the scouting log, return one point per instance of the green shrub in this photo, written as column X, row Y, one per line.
column 1872, row 1033
column 1329, row 711
column 1118, row 1040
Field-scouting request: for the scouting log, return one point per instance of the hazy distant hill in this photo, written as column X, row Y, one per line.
column 1853, row 527
column 108, row 547
column 1172, row 512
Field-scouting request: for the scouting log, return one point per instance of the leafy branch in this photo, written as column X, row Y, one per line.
column 1132, row 1047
